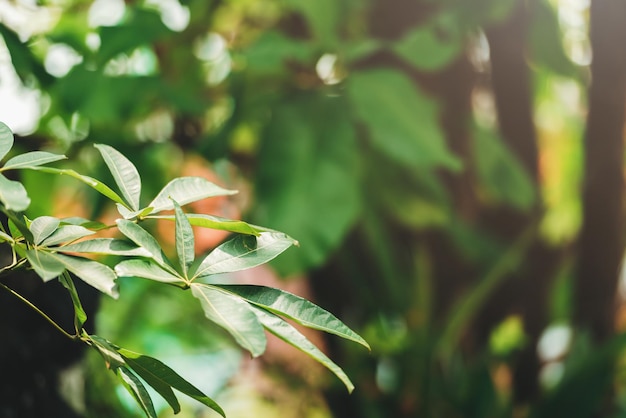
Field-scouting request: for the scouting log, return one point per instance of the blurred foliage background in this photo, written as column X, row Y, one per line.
column 453, row 175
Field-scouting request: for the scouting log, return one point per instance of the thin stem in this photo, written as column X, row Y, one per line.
column 39, row 311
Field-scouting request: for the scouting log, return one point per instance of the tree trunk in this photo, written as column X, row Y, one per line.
column 601, row 240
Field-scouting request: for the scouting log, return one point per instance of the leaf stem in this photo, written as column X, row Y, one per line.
column 39, row 311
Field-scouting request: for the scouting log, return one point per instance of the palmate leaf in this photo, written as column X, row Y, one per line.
column 44, row 265
column 147, row 269
column 296, row 308
column 134, row 386
column 13, row 195
column 107, row 350
column 6, row 140
column 292, row 336
column 124, row 173
column 185, row 243
column 32, row 159
column 186, row 190
column 141, row 237
column 110, row 246
column 216, row 222
column 242, row 252
column 42, row 227
column 158, row 375
column 233, row 314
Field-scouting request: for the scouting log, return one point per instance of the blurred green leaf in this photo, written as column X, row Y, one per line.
column 234, row 315
column 402, row 122
column 503, row 177
column 431, row 47
column 124, row 173
column 322, row 16
column 295, row 308
column 242, row 252
column 309, row 179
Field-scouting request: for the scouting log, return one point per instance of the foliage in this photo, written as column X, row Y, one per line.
column 55, row 247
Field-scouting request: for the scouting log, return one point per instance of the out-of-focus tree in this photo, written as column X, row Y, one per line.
column 453, row 170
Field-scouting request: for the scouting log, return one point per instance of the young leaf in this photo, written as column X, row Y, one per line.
column 185, row 244
column 42, row 227
column 234, row 315
column 79, row 313
column 91, row 272
column 147, row 366
column 13, row 195
column 137, row 390
column 296, row 308
column 132, row 214
column 66, row 233
column 243, row 252
column 32, row 159
column 124, row 173
column 292, row 336
column 215, row 222
column 108, row 246
column 6, row 140
column 44, row 265
column 6, row 237
column 186, row 190
column 141, row 237
column 146, row 269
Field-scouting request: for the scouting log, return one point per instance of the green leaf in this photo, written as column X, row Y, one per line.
column 42, row 227
column 32, row 159
column 137, row 390
column 322, row 16
column 292, row 336
column 6, row 237
column 234, row 315
column 431, row 47
column 66, row 233
column 295, row 308
column 312, row 134
column 156, row 370
column 108, row 351
column 79, row 313
column 185, row 243
column 13, row 195
column 109, row 246
column 151, row 371
column 91, row 272
column 6, row 140
column 44, row 265
column 87, row 223
column 124, row 172
column 402, row 122
column 91, row 182
column 242, row 252
column 186, row 190
column 215, row 222
column 146, row 269
column 141, row 237
column 502, row 176
column 132, row 214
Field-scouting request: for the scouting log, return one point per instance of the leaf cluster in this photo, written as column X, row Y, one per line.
column 55, row 247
